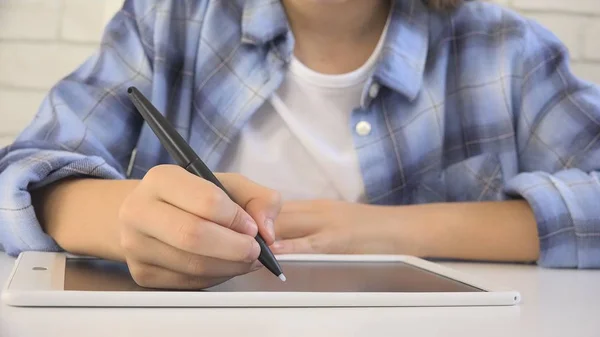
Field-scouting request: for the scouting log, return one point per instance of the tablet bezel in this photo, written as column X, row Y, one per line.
column 27, row 287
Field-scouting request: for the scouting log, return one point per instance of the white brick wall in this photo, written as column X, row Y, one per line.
column 40, row 42
column 43, row 40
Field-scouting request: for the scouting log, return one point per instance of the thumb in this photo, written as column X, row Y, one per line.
column 261, row 203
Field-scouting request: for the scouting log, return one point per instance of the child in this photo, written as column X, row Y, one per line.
column 439, row 129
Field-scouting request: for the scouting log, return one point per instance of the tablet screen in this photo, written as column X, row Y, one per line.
column 302, row 276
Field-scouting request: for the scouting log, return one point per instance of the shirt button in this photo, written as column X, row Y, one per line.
column 363, row 128
column 374, row 90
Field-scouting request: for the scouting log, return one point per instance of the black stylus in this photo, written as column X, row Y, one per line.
column 185, row 157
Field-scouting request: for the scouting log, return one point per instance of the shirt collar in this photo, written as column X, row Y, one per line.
column 263, row 21
column 402, row 61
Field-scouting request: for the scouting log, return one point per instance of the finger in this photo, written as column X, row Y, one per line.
column 295, row 221
column 261, row 203
column 264, row 214
column 293, row 246
column 150, row 251
column 149, row 276
column 192, row 234
column 176, row 186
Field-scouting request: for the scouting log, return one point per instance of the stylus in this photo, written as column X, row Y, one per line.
column 185, row 157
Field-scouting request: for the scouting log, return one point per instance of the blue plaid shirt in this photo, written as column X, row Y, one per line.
column 477, row 104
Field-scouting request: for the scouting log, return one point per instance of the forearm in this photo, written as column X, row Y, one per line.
column 485, row 231
column 81, row 214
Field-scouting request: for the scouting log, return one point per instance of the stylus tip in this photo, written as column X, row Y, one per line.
column 282, row 277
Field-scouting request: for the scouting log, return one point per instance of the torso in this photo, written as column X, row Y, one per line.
column 430, row 138
column 299, row 141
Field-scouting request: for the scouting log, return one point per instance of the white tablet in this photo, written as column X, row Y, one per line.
column 55, row 279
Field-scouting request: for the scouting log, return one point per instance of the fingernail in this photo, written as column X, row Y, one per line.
column 277, row 245
column 270, row 227
column 251, row 227
column 255, row 251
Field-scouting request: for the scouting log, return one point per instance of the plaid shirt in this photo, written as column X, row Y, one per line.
column 478, row 104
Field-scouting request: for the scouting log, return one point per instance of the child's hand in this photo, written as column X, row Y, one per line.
column 337, row 227
column 181, row 231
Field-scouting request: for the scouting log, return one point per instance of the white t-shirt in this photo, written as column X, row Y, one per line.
column 300, row 141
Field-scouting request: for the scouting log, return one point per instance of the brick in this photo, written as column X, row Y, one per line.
column 568, row 28
column 587, row 71
column 591, row 41
column 501, row 2
column 39, row 66
column 110, row 9
column 573, row 6
column 10, row 4
column 83, row 21
column 6, row 140
column 18, row 108
column 29, row 19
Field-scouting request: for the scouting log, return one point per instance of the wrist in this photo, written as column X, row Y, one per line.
column 81, row 215
column 484, row 231
column 442, row 230
column 402, row 230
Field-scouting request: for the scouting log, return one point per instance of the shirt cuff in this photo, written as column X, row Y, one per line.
column 566, row 208
column 25, row 170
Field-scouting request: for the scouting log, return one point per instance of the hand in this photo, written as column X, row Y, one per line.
column 334, row 227
column 181, row 231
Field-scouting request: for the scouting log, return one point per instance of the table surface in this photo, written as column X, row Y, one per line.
column 555, row 303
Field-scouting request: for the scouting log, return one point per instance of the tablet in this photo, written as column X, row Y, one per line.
column 57, row 279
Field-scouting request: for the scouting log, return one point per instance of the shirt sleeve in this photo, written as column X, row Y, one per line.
column 558, row 137
column 85, row 127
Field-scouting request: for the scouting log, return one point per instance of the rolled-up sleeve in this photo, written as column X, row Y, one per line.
column 85, row 127
column 558, row 136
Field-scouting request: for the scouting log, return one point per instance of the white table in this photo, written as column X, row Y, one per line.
column 555, row 303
